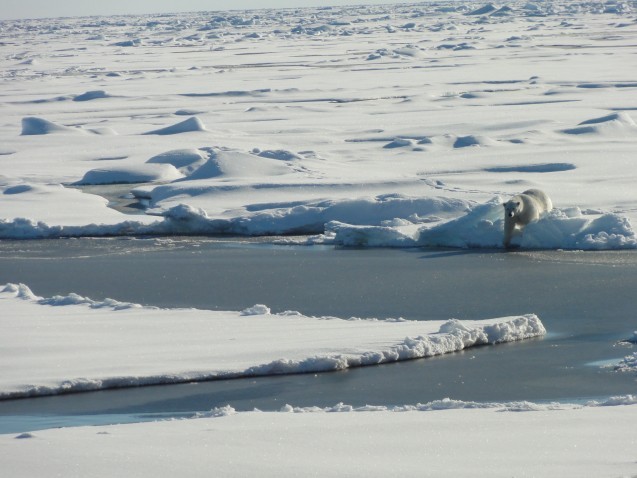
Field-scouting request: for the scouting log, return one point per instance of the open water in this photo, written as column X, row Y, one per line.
column 586, row 300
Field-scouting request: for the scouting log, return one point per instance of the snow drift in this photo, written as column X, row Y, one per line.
column 187, row 126
column 145, row 173
column 482, row 227
column 39, row 126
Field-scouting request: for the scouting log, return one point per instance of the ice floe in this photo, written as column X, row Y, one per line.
column 426, row 437
column 482, row 227
column 434, row 102
column 83, row 348
column 372, row 125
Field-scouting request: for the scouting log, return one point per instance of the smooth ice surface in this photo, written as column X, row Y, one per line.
column 444, row 438
column 394, row 125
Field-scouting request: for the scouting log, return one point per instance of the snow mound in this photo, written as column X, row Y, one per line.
column 84, row 347
column 92, row 95
column 188, row 112
column 280, row 154
column 408, row 51
column 399, row 143
column 186, row 126
column 503, row 12
column 145, row 173
column 129, row 43
column 471, row 140
column 233, row 163
column 19, row 189
column 311, row 217
column 484, row 10
column 572, row 230
column 613, row 124
column 531, row 7
column 185, row 160
column 483, row 225
column 367, row 236
column 258, row 309
column 628, row 364
column 37, row 126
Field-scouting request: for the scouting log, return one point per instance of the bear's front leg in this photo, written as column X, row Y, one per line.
column 509, row 226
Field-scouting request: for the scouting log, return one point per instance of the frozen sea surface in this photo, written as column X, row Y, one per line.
column 585, row 301
column 394, row 125
column 397, row 125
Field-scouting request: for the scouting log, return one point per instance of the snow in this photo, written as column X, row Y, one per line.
column 482, row 227
column 131, row 174
column 56, row 204
column 37, row 126
column 79, row 345
column 377, row 126
column 185, row 160
column 628, row 364
column 186, row 126
column 424, row 102
column 443, row 438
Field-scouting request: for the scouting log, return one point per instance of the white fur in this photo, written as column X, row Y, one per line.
column 522, row 209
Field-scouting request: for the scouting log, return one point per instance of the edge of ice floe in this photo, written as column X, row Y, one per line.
column 23, row 291
column 435, row 405
column 453, row 336
column 627, row 364
column 381, row 221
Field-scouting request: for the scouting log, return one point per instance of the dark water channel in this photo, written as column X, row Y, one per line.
column 586, row 300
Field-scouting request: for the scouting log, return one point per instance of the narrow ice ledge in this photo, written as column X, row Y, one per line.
column 73, row 344
column 387, row 220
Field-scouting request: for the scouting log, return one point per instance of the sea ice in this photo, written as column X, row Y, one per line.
column 462, row 102
column 446, row 438
column 81, row 346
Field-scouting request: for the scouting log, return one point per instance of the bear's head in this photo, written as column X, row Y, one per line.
column 511, row 208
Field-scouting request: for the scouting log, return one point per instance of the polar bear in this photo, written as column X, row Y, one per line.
column 522, row 209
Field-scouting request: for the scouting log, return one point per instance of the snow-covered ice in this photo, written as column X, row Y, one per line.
column 77, row 344
column 443, row 438
column 628, row 364
column 380, row 115
column 387, row 125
